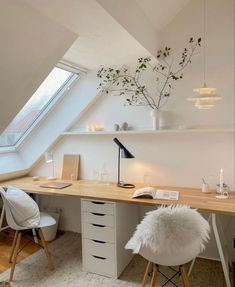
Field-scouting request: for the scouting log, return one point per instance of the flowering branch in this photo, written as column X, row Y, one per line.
column 136, row 92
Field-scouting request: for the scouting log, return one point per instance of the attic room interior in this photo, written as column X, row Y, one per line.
column 117, row 143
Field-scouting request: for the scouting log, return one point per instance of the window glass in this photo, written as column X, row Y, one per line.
column 45, row 94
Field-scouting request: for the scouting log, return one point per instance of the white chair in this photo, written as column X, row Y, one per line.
column 169, row 236
column 45, row 221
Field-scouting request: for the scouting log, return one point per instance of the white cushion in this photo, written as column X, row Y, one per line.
column 23, row 208
column 170, row 229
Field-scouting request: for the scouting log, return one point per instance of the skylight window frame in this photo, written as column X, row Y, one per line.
column 58, row 96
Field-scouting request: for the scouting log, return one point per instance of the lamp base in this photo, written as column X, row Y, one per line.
column 222, row 196
column 125, row 185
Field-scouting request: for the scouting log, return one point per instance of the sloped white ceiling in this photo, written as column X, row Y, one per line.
column 102, row 40
column 161, row 12
column 111, row 32
column 131, row 17
column 31, row 45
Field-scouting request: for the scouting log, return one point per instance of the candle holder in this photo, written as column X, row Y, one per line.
column 222, row 191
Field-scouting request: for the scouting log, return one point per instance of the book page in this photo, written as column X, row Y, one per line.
column 144, row 192
column 166, row 194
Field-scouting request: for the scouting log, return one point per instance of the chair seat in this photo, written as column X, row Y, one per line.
column 46, row 220
column 31, row 218
column 175, row 258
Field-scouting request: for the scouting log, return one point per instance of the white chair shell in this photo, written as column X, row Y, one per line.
column 170, row 236
column 46, row 220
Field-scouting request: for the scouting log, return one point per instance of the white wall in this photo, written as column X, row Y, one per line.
column 170, row 159
column 219, row 60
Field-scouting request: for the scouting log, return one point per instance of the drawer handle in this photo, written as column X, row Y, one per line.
column 98, row 225
column 98, row 202
column 99, row 257
column 98, row 241
column 98, row 214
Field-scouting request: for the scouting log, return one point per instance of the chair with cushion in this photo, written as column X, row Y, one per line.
column 169, row 236
column 22, row 213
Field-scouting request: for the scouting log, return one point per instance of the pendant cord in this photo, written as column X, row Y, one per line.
column 204, row 46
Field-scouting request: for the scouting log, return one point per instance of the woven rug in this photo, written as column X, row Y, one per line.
column 67, row 256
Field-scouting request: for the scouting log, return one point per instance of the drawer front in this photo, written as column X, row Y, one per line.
column 102, row 207
column 98, row 218
column 98, row 265
column 99, row 248
column 102, row 233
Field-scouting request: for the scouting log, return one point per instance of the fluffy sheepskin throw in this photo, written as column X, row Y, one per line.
column 170, row 228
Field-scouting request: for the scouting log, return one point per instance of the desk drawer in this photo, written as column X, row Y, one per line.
column 98, row 232
column 99, row 248
column 98, row 206
column 98, row 265
column 98, row 218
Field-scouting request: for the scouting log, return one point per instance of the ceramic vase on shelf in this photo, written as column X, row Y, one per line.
column 156, row 118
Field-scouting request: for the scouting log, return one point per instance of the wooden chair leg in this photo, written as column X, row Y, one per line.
column 15, row 256
column 13, row 246
column 44, row 244
column 147, row 270
column 184, row 277
column 154, row 277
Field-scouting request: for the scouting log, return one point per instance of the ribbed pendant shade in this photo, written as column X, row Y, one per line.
column 205, row 98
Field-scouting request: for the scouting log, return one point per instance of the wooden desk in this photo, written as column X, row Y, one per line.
column 191, row 196
column 89, row 189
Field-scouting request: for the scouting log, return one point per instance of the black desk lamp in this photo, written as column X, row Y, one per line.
column 124, row 153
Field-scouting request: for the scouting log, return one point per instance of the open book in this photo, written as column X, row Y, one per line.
column 156, row 193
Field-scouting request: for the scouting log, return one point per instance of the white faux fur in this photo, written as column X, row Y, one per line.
column 170, row 228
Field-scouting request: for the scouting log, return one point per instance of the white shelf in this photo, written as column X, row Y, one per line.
column 79, row 132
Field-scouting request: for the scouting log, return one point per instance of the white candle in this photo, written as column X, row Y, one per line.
column 221, row 180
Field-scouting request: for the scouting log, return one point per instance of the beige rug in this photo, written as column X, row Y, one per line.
column 66, row 251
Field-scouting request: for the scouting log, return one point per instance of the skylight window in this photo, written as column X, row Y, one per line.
column 52, row 87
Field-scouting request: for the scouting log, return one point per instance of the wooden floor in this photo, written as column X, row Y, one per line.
column 6, row 238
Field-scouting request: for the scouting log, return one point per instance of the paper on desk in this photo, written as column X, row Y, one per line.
column 166, row 194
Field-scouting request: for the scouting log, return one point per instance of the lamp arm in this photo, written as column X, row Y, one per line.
column 119, row 154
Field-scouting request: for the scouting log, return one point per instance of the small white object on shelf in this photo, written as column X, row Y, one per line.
column 93, row 128
column 116, row 127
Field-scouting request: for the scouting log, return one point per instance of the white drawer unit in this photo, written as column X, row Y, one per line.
column 99, row 218
column 99, row 265
column 98, row 206
column 106, row 228
column 99, row 232
column 99, row 248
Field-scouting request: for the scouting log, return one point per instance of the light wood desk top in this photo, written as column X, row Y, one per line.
column 89, row 189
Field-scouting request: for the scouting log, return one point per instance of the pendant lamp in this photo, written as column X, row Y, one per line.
column 205, row 98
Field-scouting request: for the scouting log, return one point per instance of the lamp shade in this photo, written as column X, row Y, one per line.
column 48, row 157
column 124, row 152
column 206, row 97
